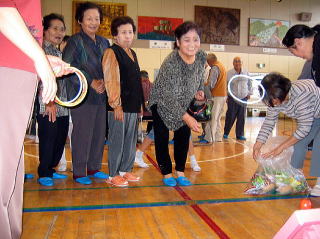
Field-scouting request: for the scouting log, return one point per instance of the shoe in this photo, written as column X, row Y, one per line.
column 130, row 177
column 315, row 191
column 46, row 181
column 140, row 162
column 171, row 141
column 62, row 167
column 183, row 181
column 107, row 142
column 118, row 181
column 203, row 141
column 241, row 138
column 28, row 176
column 195, row 166
column 225, row 136
column 201, row 136
column 170, row 182
column 84, row 180
column 59, row 176
column 100, row 175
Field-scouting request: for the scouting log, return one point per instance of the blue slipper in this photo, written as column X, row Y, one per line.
column 59, row 176
column 225, row 136
column 241, row 138
column 203, row 141
column 28, row 176
column 170, row 182
column 46, row 181
column 84, row 180
column 100, row 175
column 183, row 181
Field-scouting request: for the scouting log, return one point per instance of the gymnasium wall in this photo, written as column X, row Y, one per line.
column 150, row 59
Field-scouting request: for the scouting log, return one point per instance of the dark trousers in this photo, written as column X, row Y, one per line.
column 235, row 111
column 52, row 138
column 88, row 135
column 181, row 144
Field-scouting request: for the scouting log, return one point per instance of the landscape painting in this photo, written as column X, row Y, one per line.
column 267, row 33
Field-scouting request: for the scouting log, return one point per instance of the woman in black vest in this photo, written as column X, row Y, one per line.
column 125, row 96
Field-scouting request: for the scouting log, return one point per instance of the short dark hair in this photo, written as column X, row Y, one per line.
column 297, row 31
column 183, row 29
column 86, row 6
column 276, row 86
column 46, row 21
column 118, row 21
column 144, row 74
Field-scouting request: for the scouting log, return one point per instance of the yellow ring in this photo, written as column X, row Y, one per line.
column 81, row 93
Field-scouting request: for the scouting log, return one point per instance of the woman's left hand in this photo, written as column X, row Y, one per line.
column 273, row 153
column 200, row 95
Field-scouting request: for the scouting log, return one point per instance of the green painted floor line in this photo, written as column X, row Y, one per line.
column 161, row 204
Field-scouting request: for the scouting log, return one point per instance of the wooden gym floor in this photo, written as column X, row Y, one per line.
column 214, row 207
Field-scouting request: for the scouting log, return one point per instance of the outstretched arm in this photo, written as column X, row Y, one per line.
column 13, row 27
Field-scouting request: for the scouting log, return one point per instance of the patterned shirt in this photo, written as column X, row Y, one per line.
column 50, row 49
column 176, row 86
column 303, row 105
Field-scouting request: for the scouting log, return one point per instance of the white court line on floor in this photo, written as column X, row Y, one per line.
column 246, row 149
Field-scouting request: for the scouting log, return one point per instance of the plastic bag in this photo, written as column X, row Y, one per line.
column 276, row 175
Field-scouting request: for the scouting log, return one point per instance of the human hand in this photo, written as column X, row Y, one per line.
column 58, row 66
column 199, row 95
column 51, row 111
column 257, row 150
column 98, row 86
column 48, row 79
column 192, row 123
column 118, row 113
column 273, row 153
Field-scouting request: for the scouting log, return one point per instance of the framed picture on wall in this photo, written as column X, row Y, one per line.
column 219, row 25
column 109, row 10
column 157, row 28
column 267, row 33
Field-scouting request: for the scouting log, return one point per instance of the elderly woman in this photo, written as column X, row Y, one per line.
column 53, row 119
column 84, row 51
column 303, row 41
column 125, row 96
column 299, row 100
column 180, row 79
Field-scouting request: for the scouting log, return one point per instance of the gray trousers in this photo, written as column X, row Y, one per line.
column 123, row 140
column 88, row 135
column 17, row 92
column 301, row 148
column 235, row 111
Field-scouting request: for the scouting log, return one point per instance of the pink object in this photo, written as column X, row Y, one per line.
column 302, row 224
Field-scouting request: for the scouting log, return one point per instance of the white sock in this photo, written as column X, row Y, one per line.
column 122, row 173
column 193, row 158
column 139, row 154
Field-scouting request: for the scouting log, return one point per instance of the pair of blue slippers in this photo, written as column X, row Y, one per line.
column 48, row 181
column 86, row 180
column 172, row 182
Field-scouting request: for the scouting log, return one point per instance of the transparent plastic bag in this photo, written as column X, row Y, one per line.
column 276, row 175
